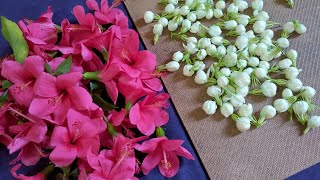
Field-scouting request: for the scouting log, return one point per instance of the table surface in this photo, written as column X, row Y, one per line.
column 16, row 10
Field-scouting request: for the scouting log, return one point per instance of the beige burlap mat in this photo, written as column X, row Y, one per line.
column 275, row 151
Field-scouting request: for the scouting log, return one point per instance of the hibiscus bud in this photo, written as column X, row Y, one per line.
column 187, row 70
column 160, row 132
column 214, row 91
column 148, row 17
column 209, row 107
column 300, row 107
column 308, row 92
column 287, row 93
column 245, row 110
column 285, row 63
column 243, row 124
column 226, row 109
column 259, row 26
column 313, row 122
column 281, row 105
column 269, row 89
column 291, row 72
column 177, row 56
column 294, row 84
column 283, row 42
column 201, row 77
column 163, row 21
column 172, row 66
column 268, row 112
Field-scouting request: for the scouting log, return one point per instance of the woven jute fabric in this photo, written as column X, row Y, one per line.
column 274, row 151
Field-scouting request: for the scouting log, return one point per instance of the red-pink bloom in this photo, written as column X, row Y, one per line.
column 58, row 95
column 162, row 152
column 149, row 113
column 108, row 14
column 4, row 138
column 116, row 117
column 81, row 134
column 117, row 163
column 23, row 76
column 38, row 176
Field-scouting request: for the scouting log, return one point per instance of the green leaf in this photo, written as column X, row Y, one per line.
column 64, row 67
column 6, row 84
column 102, row 103
column 4, row 97
column 13, row 34
column 48, row 68
column 105, row 54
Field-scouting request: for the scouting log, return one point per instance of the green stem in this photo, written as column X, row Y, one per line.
column 160, row 132
column 91, row 76
column 306, row 130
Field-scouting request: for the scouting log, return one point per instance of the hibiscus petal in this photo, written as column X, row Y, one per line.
column 30, row 155
column 37, row 132
column 40, row 107
column 161, row 118
column 171, row 145
column 150, row 145
column 60, row 113
column 92, row 5
column 45, row 86
column 80, row 98
column 117, row 117
column 79, row 13
column 172, row 169
column 145, row 61
column 151, row 161
column 85, row 53
column 69, row 80
column 125, row 170
column 76, row 120
column 134, row 114
column 23, row 97
column 35, row 40
column 112, row 90
column 13, row 71
column 17, row 144
column 34, row 65
column 153, row 83
column 63, row 155
column 85, row 144
column 60, row 136
column 147, row 127
column 181, row 151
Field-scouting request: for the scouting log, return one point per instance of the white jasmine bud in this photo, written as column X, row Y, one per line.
column 221, row 50
column 261, row 73
column 214, row 31
column 242, row 42
column 174, row 2
column 241, row 30
column 222, row 81
column 248, row 70
column 252, row 49
column 285, row 63
column 283, row 42
column 172, row 66
column 243, row 91
column 226, row 98
column 201, row 77
column 226, row 109
column 204, row 43
column 241, row 64
column 157, row 29
column 267, row 56
column 200, row 13
column 177, row 56
column 241, row 79
column 259, row 26
column 191, row 48
column 242, row 5
column 269, row 89
column 294, row 84
column 187, row 70
column 209, row 107
column 281, row 105
column 261, row 49
column 148, row 17
column 288, row 27
column 268, row 112
column 267, row 33
column 231, row 49
column 253, row 62
column 262, row 16
column 214, row 91
column 301, row 29
column 257, row 5
column 217, row 13
column 250, row 34
column 287, row 93
column 189, row 2
column 211, row 50
column 220, row 5
column 265, row 65
column 237, row 100
column 243, row 19
column 243, row 124
column 193, row 40
column 163, row 21
column 186, row 25
column 192, row 17
column 184, row 10
column 202, row 54
column 230, row 59
column 313, row 122
column 169, row 8
column 308, row 92
column 292, row 54
column 245, row 110
column 231, row 24
column 172, row 25
column 232, row 8
column 195, row 28
column 217, row 40
column 300, row 107
column 291, row 72
column 209, row 14
column 199, row 65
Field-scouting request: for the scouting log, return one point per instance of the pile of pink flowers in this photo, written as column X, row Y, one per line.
column 85, row 97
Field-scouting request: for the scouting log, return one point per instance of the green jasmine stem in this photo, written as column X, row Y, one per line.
column 256, row 92
column 161, row 68
column 306, row 130
column 91, row 76
column 160, row 132
column 155, row 39
column 291, row 3
column 234, row 117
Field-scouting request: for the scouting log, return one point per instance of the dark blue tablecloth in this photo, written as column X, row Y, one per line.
column 17, row 9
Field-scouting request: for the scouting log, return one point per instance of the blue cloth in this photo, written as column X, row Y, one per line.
column 16, row 10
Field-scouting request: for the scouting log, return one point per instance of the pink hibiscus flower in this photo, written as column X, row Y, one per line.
column 117, row 163
column 162, row 152
column 58, row 95
column 81, row 134
column 4, row 138
column 149, row 113
column 23, row 77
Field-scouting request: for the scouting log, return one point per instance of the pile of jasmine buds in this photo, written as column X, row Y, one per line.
column 245, row 58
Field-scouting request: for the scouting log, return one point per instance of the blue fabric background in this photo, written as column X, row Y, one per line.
column 17, row 9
